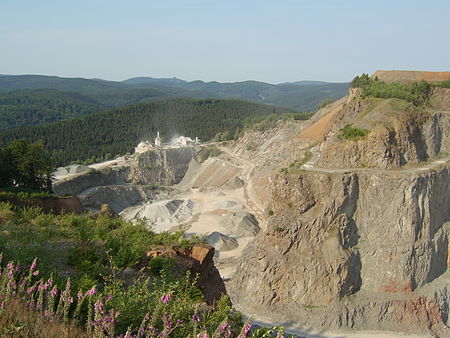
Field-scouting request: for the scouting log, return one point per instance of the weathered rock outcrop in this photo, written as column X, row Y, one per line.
column 161, row 166
column 94, row 178
column 198, row 259
column 118, row 197
column 130, row 184
column 367, row 249
column 399, row 133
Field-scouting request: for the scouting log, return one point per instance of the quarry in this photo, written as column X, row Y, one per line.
column 311, row 230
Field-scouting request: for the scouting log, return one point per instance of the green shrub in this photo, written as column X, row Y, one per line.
column 87, row 259
column 352, row 133
column 158, row 264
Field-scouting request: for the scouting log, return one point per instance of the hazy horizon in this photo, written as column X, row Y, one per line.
column 233, row 41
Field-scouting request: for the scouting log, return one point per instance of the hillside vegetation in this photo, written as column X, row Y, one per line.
column 118, row 131
column 100, row 298
column 303, row 95
column 416, row 93
column 33, row 107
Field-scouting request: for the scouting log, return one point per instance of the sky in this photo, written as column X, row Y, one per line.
column 223, row 40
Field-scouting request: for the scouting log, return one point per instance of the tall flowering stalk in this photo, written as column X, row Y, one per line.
column 67, row 301
column 245, row 329
column 222, row 330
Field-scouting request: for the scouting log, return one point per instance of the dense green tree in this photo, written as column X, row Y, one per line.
column 26, row 165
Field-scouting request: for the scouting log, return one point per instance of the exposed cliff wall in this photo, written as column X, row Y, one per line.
column 393, row 142
column 161, row 166
column 111, row 185
column 76, row 185
column 351, row 250
column 118, row 197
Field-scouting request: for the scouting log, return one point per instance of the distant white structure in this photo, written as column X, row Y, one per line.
column 182, row 141
column 143, row 147
column 157, row 140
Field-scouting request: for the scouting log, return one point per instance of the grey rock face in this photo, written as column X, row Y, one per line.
column 118, row 197
column 161, row 166
column 393, row 142
column 93, row 178
column 352, row 251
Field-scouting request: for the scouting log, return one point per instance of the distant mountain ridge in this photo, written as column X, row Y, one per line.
column 300, row 95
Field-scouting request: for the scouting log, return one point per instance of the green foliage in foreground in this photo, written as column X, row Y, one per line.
column 85, row 246
column 416, row 93
column 109, row 292
column 17, row 193
column 351, row 133
column 118, row 131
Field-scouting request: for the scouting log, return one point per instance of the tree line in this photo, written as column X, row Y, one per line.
column 119, row 130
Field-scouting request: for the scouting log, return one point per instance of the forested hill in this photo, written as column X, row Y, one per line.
column 302, row 95
column 33, row 107
column 118, row 131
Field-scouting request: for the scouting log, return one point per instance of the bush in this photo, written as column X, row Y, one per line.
column 352, row 133
column 158, row 264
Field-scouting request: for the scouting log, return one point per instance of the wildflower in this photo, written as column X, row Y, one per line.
column 165, row 298
column 196, row 317
column 36, row 273
column 245, row 329
column 50, row 282
column 108, row 298
column 80, row 294
column 91, row 291
column 33, row 264
column 54, row 291
column 98, row 306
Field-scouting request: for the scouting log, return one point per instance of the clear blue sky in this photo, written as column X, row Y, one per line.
column 224, row 40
